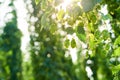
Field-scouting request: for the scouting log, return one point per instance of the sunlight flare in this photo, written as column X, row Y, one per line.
column 65, row 4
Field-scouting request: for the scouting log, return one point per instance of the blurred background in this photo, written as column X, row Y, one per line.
column 59, row 40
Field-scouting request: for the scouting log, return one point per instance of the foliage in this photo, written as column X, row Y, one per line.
column 114, row 12
column 10, row 53
column 86, row 23
column 47, row 52
column 90, row 26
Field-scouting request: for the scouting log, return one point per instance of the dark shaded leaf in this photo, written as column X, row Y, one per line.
column 105, row 34
column 67, row 43
column 69, row 30
column 81, row 33
column 73, row 43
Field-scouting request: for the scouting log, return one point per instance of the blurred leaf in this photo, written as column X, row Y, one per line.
column 37, row 1
column 91, row 27
column 50, row 0
column 80, row 30
column 44, row 22
column 67, row 43
column 60, row 15
column 69, row 30
column 44, row 4
column 115, row 69
column 57, row 2
column 116, row 52
column 97, row 34
column 82, row 37
column 105, row 34
column 117, row 41
column 53, row 27
column 91, row 41
column 74, row 11
column 73, row 43
column 18, row 34
column 88, row 5
column 70, row 21
column 81, row 33
column 106, row 17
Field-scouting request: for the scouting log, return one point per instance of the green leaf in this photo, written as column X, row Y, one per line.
column 97, row 34
column 69, row 30
column 73, row 43
column 60, row 15
column 82, row 37
column 81, row 33
column 37, row 1
column 117, row 41
column 44, row 4
column 91, row 27
column 67, row 43
column 115, row 69
column 80, row 30
column 91, row 41
column 53, row 27
column 44, row 21
column 106, row 17
column 105, row 34
column 116, row 52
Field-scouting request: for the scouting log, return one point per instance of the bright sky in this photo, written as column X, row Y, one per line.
column 23, row 26
column 22, row 23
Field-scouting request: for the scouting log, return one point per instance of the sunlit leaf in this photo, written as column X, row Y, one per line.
column 117, row 41
column 82, row 37
column 116, row 52
column 100, row 73
column 37, row 1
column 60, row 15
column 91, row 41
column 91, row 27
column 115, row 69
column 73, row 43
column 50, row 0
